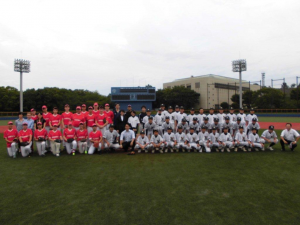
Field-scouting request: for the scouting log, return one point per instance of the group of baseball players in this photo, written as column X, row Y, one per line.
column 100, row 129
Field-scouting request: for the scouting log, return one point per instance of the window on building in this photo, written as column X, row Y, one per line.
column 168, row 86
column 197, row 85
column 189, row 86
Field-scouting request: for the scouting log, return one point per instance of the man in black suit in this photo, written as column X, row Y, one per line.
column 121, row 121
column 128, row 113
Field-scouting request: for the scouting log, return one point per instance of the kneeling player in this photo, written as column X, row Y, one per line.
column 157, row 142
column 269, row 136
column 191, row 141
column 95, row 138
column 169, row 140
column 254, row 141
column 180, row 140
column 82, row 137
column 40, row 136
column 11, row 138
column 55, row 139
column 225, row 140
column 213, row 138
column 111, row 139
column 70, row 139
column 25, row 138
column 241, row 140
column 142, row 142
column 203, row 137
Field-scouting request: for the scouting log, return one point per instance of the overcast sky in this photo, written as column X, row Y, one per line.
column 98, row 44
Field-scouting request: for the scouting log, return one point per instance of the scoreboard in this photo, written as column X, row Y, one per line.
column 135, row 96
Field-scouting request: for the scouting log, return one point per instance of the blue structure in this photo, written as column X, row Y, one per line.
column 134, row 96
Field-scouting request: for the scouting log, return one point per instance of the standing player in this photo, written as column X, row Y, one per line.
column 134, row 122
column 70, row 138
column 242, row 115
column 109, row 115
column 170, row 114
column 180, row 116
column 163, row 110
column 149, row 127
column 90, row 120
column 40, row 136
column 191, row 141
column 169, row 140
column 95, row 138
column 33, row 114
column 225, row 140
column 254, row 141
column 237, row 124
column 46, row 117
column 141, row 117
column 66, row 117
column 83, row 110
column 101, row 120
column 167, row 124
column 146, row 118
column 201, row 116
column 55, row 118
column 206, row 123
column 25, row 138
column 111, row 138
column 221, row 115
column 251, row 115
column 217, row 125
column 158, row 120
column 229, row 125
column 269, row 136
column 211, row 116
column 82, row 137
column 142, row 143
column 289, row 137
column 191, row 116
column 184, row 125
column 96, row 109
column 55, row 137
column 77, row 118
column 11, row 137
column 241, row 140
column 195, row 125
column 231, row 115
column 254, row 124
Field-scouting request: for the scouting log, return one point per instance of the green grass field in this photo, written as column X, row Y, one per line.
column 178, row 188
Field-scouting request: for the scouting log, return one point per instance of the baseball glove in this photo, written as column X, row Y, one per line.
column 96, row 145
column 58, row 141
column 41, row 139
column 16, row 140
column 24, row 143
column 83, row 140
column 70, row 140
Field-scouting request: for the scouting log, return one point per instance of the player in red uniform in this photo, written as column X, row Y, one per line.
column 70, row 138
column 66, row 117
column 95, row 110
column 11, row 137
column 25, row 138
column 101, row 120
column 95, row 138
column 109, row 114
column 40, row 136
column 46, row 116
column 83, row 110
column 82, row 137
column 90, row 120
column 33, row 114
column 77, row 118
column 55, row 118
column 55, row 138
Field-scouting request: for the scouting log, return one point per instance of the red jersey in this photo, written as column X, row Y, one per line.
column 100, row 119
column 81, row 134
column 96, row 113
column 25, row 134
column 69, row 133
column 95, row 135
column 40, row 133
column 110, row 116
column 66, row 117
column 35, row 117
column 10, row 135
column 55, row 119
column 77, row 118
column 54, row 134
column 90, row 119
column 46, row 117
column 84, row 113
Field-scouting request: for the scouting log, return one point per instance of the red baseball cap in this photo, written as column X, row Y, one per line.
column 90, row 107
column 78, row 107
column 94, row 125
column 106, row 104
column 70, row 123
column 39, row 123
column 10, row 123
column 83, row 105
column 81, row 123
column 25, row 124
column 95, row 103
column 55, row 125
column 44, row 107
column 67, row 105
column 32, row 110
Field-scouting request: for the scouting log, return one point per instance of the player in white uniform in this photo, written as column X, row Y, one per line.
column 269, row 136
column 242, row 115
column 157, row 142
column 169, row 140
column 184, row 125
column 142, row 143
column 158, row 120
column 180, row 140
column 146, row 118
column 211, row 116
column 232, row 115
column 134, row 122
column 201, row 116
column 229, row 125
column 170, row 114
column 241, row 140
column 195, row 125
column 225, row 140
column 206, row 123
column 221, row 115
column 163, row 110
column 149, row 127
column 237, row 124
column 254, row 141
column 213, row 138
column 191, row 116
column 191, row 141
column 218, row 125
column 111, row 138
column 289, row 137
column 251, row 115
column 167, row 124
column 203, row 138
column 254, row 124
column 179, row 116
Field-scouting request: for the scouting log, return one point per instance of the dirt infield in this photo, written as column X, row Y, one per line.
column 263, row 125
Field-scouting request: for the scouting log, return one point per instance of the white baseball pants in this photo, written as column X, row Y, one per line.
column 12, row 149
column 82, row 146
column 92, row 149
column 25, row 150
column 41, row 145
column 55, row 147
column 71, row 146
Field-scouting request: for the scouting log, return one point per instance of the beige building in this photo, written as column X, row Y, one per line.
column 213, row 89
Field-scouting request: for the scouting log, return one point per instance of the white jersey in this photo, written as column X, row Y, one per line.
column 180, row 116
column 230, row 126
column 213, row 137
column 180, row 137
column 289, row 135
column 232, row 117
column 192, row 138
column 195, row 126
column 242, row 116
column 145, row 119
column 165, row 126
column 241, row 137
column 225, row 137
column 164, row 113
column 221, row 117
column 190, row 118
column 185, row 127
column 208, row 125
column 268, row 135
column 171, row 116
column 251, row 125
column 211, row 118
column 249, row 117
column 158, row 119
column 111, row 137
column 254, row 138
column 142, row 141
column 156, row 139
column 169, row 137
column 201, row 118
column 219, row 127
column 149, row 127
column 133, row 121
column 236, row 126
column 203, row 136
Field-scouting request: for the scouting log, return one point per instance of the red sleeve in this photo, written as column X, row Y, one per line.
column 59, row 133
column 112, row 115
column 35, row 133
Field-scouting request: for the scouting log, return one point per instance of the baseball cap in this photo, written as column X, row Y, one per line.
column 204, row 127
column 213, row 128
column 32, row 110
column 95, row 104
column 241, row 108
column 55, row 125
column 167, row 117
column 155, row 130
column 239, row 119
column 226, row 117
column 150, row 118
column 129, row 106
column 183, row 120
column 253, row 128
column 181, row 107
column 111, row 125
column 170, row 107
column 231, row 108
column 94, row 125
column 220, row 108
column 90, row 107
column 67, row 105
column 169, row 128
column 78, row 107
column 142, row 132
column 205, row 118
column 271, row 127
column 81, row 123
column 180, row 127
column 211, row 109
column 254, row 119
column 251, row 109
column 216, row 119
column 70, row 123
column 162, row 105
column 25, row 124
column 225, row 127
column 83, row 105
column 176, row 106
column 192, row 109
column 241, row 127
column 195, row 119
column 39, row 123
column 10, row 123
column 44, row 107
column 148, row 110
column 106, row 104
column 159, row 109
column 192, row 128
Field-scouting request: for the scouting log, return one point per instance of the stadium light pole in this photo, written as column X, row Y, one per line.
column 239, row 66
column 22, row 66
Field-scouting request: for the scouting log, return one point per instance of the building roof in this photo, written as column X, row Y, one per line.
column 208, row 76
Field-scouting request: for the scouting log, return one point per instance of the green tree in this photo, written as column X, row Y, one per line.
column 224, row 105
column 268, row 98
column 248, row 98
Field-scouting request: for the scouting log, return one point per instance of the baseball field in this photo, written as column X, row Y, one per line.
column 174, row 188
